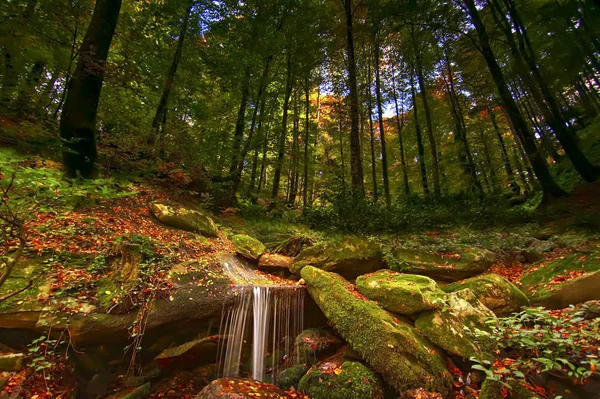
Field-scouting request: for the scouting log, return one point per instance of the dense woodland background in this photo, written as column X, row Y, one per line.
column 329, row 106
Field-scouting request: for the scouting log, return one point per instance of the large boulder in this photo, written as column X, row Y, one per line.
column 315, row 344
column 197, row 352
column 185, row 219
column 11, row 362
column 350, row 257
column 460, row 264
column 452, row 327
column 562, row 282
column 400, row 293
column 497, row 293
column 391, row 346
column 248, row 247
column 341, row 380
column 291, row 376
column 238, row 388
column 274, row 262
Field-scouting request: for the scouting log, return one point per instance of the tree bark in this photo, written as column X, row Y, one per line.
column 400, row 127
column 505, row 159
column 306, row 139
column 371, row 134
column 78, row 121
column 238, row 135
column 161, row 110
column 283, row 134
column 420, row 147
column 356, row 170
column 549, row 186
column 384, row 165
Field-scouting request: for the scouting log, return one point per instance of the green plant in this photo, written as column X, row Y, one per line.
column 538, row 342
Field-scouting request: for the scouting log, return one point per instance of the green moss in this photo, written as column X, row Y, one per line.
column 401, row 293
column 463, row 262
column 290, row 377
column 495, row 292
column 140, row 392
column 24, row 270
column 315, row 343
column 247, row 246
column 491, row 389
column 351, row 380
column 349, row 257
column 390, row 345
column 107, row 291
column 535, row 280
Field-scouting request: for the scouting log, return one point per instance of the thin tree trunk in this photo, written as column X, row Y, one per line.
column 505, row 159
column 256, row 150
column 358, row 183
column 27, row 90
column 384, row 165
column 238, row 135
column 78, row 121
column 283, row 134
column 400, row 126
column 371, row 134
column 161, row 110
column 420, row 147
column 306, row 139
column 548, row 184
column 295, row 151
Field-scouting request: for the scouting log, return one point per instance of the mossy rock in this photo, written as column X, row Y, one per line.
column 497, row 293
column 347, row 380
column 350, row 257
column 291, row 377
column 140, row 392
column 562, row 282
column 185, row 219
column 316, row 344
column 239, row 388
column 491, row 389
column 446, row 327
column 400, row 293
column 11, row 362
column 463, row 263
column 248, row 247
column 390, row 345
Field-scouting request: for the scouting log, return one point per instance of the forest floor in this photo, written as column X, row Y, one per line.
column 74, row 232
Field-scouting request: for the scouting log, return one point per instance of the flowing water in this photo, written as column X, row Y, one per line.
column 266, row 315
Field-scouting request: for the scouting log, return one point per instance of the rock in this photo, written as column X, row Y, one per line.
column 562, row 282
column 274, row 261
column 185, row 219
column 316, row 344
column 401, row 293
column 497, row 293
column 446, row 327
column 194, row 353
column 238, row 388
column 290, row 377
column 11, row 362
column 391, row 346
column 350, row 257
column 248, row 247
column 491, row 389
column 140, row 392
column 463, row 263
column 337, row 380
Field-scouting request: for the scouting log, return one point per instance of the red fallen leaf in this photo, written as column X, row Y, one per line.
column 366, row 381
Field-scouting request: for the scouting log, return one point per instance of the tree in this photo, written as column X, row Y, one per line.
column 78, row 121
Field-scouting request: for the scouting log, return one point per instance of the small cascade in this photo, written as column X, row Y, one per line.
column 277, row 317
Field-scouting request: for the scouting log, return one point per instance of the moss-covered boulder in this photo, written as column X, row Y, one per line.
column 562, row 282
column 497, row 293
column 446, row 327
column 316, row 344
column 390, row 345
column 11, row 362
column 491, row 389
column 462, row 263
column 274, row 262
column 185, row 219
column 238, row 388
column 291, row 377
column 350, row 257
column 337, row 380
column 248, row 247
column 400, row 293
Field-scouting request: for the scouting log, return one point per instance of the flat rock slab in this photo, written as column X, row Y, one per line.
column 239, row 388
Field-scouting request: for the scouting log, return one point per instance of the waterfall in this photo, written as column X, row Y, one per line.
column 277, row 319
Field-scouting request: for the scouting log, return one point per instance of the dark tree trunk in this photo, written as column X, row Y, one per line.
column 306, row 138
column 240, row 122
column 161, row 110
column 27, row 91
column 257, row 149
column 384, row 165
column 356, row 170
column 400, row 126
column 371, row 134
column 549, row 186
column 295, row 151
column 78, row 121
column 283, row 134
column 505, row 159
column 420, row 147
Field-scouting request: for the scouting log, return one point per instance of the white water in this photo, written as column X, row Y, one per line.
column 277, row 318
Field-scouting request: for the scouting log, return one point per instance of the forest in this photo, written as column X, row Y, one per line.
column 300, row 199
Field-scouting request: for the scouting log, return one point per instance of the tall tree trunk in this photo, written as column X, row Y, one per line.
column 27, row 91
column 549, row 186
column 505, row 159
column 400, row 127
column 384, row 165
column 356, row 170
column 488, row 160
column 283, row 134
column 257, row 149
column 238, row 136
column 420, row 147
column 429, row 123
column 306, row 139
column 263, row 164
column 341, row 131
column 295, row 150
column 78, row 121
column 161, row 110
column 371, row 134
